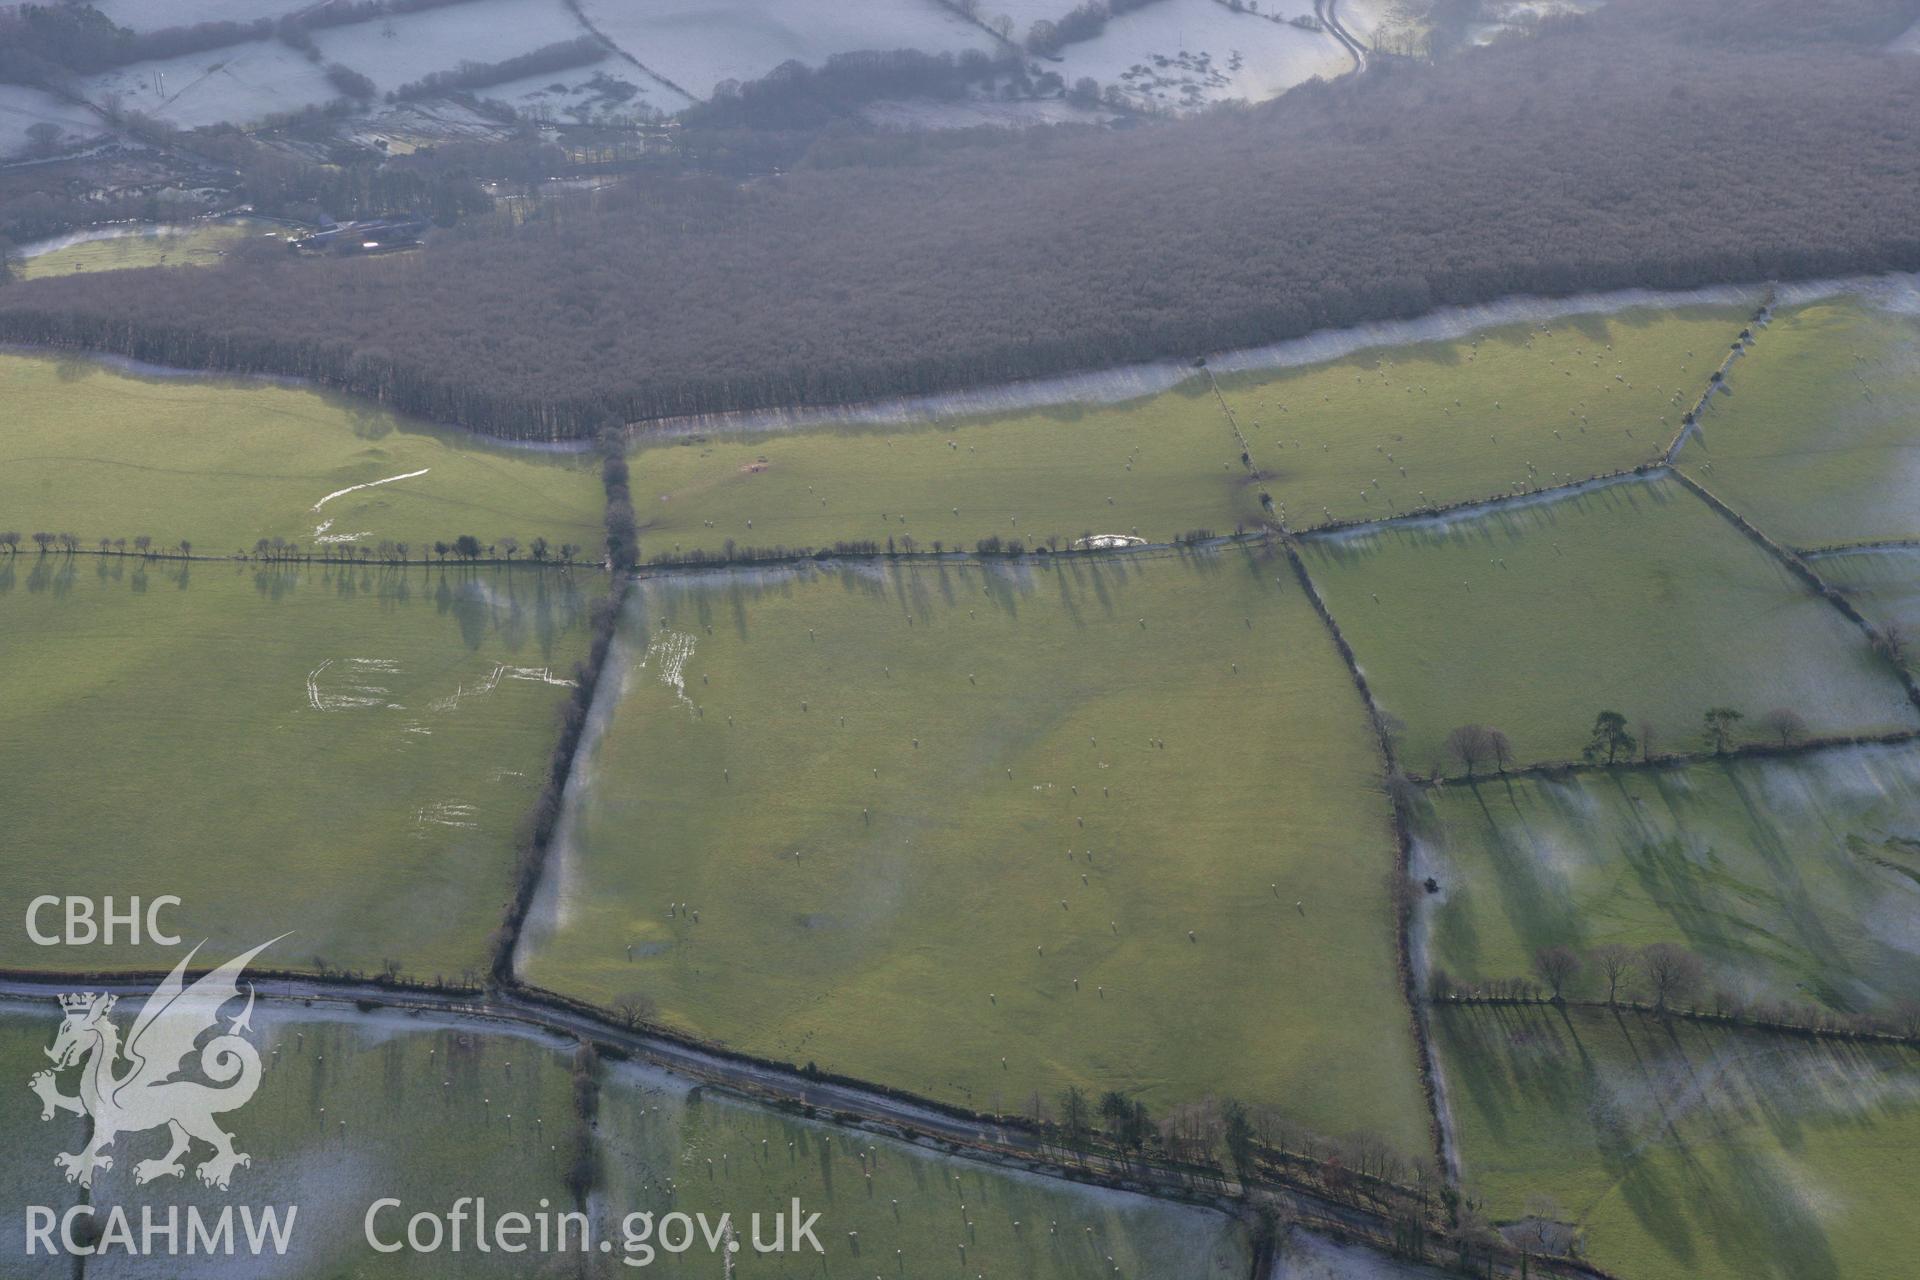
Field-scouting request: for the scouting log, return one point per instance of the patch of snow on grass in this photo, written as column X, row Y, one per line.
column 447, row 813
column 337, row 493
column 351, row 687
column 672, row 649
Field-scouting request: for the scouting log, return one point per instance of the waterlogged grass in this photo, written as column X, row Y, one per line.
column 1686, row 1153
column 1506, row 410
column 102, row 454
column 1795, row 879
column 1151, row 468
column 199, row 245
column 884, row 818
column 886, row 1207
column 1819, row 441
column 343, row 753
column 356, row 1108
column 27, row 1174
column 1632, row 596
column 353, row 1109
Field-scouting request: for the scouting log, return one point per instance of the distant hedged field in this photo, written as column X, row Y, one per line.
column 1493, row 768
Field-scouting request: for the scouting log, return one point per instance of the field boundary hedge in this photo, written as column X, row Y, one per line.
column 1400, row 890
column 1805, row 572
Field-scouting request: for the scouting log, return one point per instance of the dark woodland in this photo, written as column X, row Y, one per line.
column 1659, row 143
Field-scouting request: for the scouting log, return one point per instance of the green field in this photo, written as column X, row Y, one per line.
column 886, row 1207
column 1819, row 442
column 1794, row 879
column 200, row 245
column 1635, row 596
column 353, row 1108
column 342, row 752
column 1686, row 1153
column 1151, row 468
column 101, row 454
column 1505, row 410
column 913, row 805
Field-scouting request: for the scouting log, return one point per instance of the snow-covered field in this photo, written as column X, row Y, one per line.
column 151, row 15
column 399, row 50
column 1183, row 54
column 594, row 91
column 698, row 43
column 21, row 108
column 242, row 83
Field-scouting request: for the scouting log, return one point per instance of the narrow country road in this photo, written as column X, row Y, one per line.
column 1327, row 12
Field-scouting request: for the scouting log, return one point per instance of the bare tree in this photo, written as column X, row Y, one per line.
column 1894, row 642
column 635, row 1008
column 1786, row 725
column 1556, row 967
column 1672, row 971
column 1470, row 745
column 1647, row 732
column 1501, row 748
column 1615, row 962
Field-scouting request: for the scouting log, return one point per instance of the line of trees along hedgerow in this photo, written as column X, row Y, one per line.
column 1663, row 143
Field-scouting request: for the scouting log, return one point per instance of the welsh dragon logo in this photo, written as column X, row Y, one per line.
column 154, row 1086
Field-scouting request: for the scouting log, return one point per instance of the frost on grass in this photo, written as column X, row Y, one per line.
column 349, row 685
column 668, row 653
column 353, row 488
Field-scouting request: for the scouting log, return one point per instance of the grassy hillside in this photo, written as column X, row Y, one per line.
column 199, row 245
column 1152, row 468
column 886, row 819
column 1818, row 441
column 1504, row 410
column 344, row 753
column 1633, row 596
column 101, row 454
